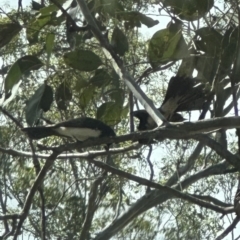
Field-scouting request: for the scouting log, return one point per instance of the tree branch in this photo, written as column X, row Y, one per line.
column 32, row 191
column 213, row 200
column 184, row 130
column 219, row 149
column 189, row 164
column 229, row 229
column 87, row 154
column 156, row 197
column 91, row 207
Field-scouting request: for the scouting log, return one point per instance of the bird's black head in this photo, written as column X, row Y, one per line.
column 145, row 121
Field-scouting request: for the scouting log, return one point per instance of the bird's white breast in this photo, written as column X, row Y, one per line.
column 79, row 134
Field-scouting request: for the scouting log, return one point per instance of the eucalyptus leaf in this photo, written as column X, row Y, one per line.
column 35, row 26
column 86, row 96
column 119, row 41
column 18, row 69
column 83, row 60
column 100, row 78
column 63, row 96
column 49, row 44
column 189, row 10
column 8, row 31
column 40, row 100
column 110, row 113
column 167, row 45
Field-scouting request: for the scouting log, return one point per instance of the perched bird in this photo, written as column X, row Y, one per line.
column 79, row 129
column 183, row 94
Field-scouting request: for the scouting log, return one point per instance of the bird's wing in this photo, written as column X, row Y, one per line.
column 183, row 94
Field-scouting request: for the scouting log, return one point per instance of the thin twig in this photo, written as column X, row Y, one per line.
column 38, row 181
column 150, row 165
column 91, row 207
column 228, row 229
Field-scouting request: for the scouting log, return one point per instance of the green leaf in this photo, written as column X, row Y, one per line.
column 35, row 26
column 83, row 60
column 48, row 10
column 189, row 10
column 117, row 95
column 110, row 113
column 167, row 45
column 47, row 98
column 229, row 48
column 111, row 7
column 119, row 41
column 36, row 6
column 19, row 68
column 86, row 96
column 8, row 31
column 63, row 95
column 80, row 84
column 134, row 19
column 100, row 78
column 40, row 100
column 210, row 42
column 49, row 44
column 149, row 22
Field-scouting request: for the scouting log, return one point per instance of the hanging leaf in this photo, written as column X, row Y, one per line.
column 18, row 69
column 208, row 41
column 83, row 60
column 149, row 22
column 35, row 26
column 86, row 96
column 134, row 19
column 167, row 45
column 100, row 78
column 12, row 81
column 80, row 84
column 229, row 48
column 36, row 6
column 63, row 96
column 48, row 10
column 40, row 100
column 117, row 95
column 47, row 98
column 119, row 41
column 49, row 44
column 189, row 10
column 8, row 31
column 111, row 7
column 110, row 113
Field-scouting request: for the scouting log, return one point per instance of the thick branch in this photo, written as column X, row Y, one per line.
column 184, row 130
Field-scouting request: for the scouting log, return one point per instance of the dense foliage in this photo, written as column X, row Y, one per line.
column 56, row 65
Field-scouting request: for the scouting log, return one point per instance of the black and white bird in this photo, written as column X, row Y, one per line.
column 79, row 129
column 183, row 94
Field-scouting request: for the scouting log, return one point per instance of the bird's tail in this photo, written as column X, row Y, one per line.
column 38, row 132
column 188, row 94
